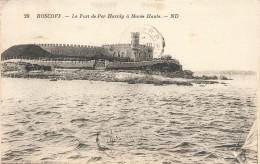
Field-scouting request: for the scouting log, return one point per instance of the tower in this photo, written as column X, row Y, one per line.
column 135, row 44
column 135, row 40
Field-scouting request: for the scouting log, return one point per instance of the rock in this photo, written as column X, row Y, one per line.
column 204, row 82
column 187, row 73
column 224, row 78
column 204, row 77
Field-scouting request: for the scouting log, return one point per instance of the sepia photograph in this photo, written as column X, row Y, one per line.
column 131, row 81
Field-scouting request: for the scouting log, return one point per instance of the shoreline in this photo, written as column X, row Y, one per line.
column 130, row 77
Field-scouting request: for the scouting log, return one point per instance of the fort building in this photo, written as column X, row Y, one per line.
column 108, row 56
column 123, row 52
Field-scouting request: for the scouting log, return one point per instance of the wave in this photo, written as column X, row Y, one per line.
column 45, row 113
column 16, row 132
column 226, row 146
column 82, row 146
column 185, row 145
column 95, row 159
column 211, row 156
column 79, row 120
column 201, row 153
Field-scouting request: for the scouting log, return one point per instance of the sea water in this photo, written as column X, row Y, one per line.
column 108, row 122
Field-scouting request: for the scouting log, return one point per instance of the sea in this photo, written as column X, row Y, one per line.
column 81, row 121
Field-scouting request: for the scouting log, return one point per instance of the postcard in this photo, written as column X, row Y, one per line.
column 108, row 81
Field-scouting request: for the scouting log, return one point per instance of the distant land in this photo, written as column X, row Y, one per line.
column 227, row 72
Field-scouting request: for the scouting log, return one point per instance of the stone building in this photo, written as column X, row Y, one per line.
column 123, row 52
column 133, row 51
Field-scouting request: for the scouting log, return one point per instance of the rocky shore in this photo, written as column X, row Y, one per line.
column 130, row 77
column 161, row 75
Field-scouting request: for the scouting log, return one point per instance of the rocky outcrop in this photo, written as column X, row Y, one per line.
column 23, row 66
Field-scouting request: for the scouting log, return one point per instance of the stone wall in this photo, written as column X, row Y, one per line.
column 58, row 64
column 75, row 50
column 127, row 65
column 66, row 64
column 170, row 65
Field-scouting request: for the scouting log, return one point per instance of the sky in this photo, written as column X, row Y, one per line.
column 207, row 35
